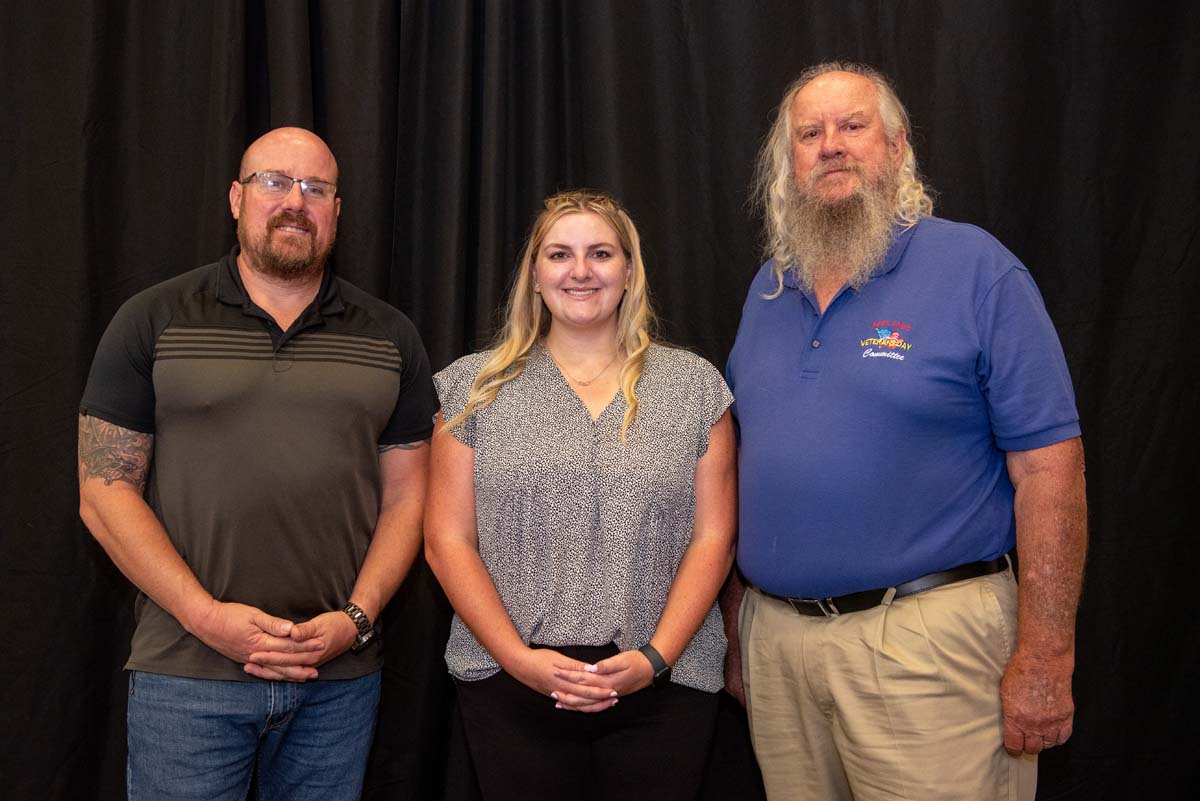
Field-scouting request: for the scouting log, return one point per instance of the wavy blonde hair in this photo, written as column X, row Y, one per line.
column 526, row 319
column 773, row 173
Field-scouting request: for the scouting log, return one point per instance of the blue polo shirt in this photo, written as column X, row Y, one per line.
column 872, row 437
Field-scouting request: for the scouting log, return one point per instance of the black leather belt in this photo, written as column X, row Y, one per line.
column 868, row 599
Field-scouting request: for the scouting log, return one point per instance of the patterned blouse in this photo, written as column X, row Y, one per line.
column 582, row 534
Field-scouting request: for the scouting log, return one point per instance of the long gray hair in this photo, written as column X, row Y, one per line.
column 773, row 174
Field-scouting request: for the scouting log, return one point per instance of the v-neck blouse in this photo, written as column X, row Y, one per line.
column 582, row 534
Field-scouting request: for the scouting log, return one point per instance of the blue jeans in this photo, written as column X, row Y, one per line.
column 200, row 739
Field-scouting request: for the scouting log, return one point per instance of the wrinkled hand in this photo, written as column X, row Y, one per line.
column 548, row 672
column 238, row 631
column 623, row 674
column 1036, row 696
column 315, row 642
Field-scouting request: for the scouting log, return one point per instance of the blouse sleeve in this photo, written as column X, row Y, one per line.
column 712, row 398
column 453, row 386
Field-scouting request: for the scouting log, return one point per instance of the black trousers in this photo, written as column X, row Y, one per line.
column 652, row 744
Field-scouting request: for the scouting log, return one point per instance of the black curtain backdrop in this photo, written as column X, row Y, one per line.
column 1067, row 129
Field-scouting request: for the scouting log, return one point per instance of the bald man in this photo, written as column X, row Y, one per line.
column 252, row 455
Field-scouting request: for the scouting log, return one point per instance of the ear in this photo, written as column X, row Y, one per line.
column 898, row 147
column 337, row 207
column 235, row 198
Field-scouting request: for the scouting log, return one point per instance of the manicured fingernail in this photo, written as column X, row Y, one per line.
column 558, row 706
column 554, row 696
column 590, row 668
column 614, row 703
column 613, row 694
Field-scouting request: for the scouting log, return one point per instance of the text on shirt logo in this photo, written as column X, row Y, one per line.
column 887, row 335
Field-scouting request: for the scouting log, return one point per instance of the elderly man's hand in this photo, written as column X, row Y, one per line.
column 1036, row 696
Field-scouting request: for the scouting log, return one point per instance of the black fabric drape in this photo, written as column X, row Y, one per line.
column 1067, row 129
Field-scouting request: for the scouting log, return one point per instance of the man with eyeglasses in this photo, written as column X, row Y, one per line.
column 252, row 455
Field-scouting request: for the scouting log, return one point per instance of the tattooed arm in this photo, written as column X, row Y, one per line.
column 114, row 464
column 403, row 470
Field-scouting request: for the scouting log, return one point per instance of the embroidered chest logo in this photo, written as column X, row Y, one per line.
column 888, row 342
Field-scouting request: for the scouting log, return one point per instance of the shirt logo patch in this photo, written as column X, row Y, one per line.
column 888, row 342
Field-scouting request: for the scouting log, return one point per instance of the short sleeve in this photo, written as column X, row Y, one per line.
column 416, row 404
column 712, row 398
column 1022, row 370
column 120, row 386
column 453, row 388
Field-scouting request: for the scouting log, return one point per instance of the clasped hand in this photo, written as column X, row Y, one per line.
column 272, row 647
column 579, row 687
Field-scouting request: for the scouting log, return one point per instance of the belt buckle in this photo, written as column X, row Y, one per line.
column 826, row 605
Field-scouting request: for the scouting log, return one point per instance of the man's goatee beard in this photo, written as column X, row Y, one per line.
column 278, row 263
column 846, row 239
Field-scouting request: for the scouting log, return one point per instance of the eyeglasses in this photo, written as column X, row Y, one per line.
column 276, row 183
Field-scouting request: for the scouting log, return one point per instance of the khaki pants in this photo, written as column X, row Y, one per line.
column 895, row 702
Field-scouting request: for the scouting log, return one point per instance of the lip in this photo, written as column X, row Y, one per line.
column 581, row 292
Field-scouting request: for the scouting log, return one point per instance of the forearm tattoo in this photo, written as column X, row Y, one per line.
column 404, row 446
column 112, row 453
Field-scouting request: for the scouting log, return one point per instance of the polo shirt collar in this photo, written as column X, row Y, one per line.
column 903, row 233
column 231, row 290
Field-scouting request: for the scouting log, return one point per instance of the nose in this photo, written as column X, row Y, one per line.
column 294, row 198
column 832, row 144
column 580, row 269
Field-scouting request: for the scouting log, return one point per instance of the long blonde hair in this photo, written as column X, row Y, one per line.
column 773, row 173
column 526, row 318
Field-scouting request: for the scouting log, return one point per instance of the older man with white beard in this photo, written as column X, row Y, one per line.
column 906, row 418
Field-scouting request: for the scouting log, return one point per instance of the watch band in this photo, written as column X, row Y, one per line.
column 366, row 632
column 662, row 671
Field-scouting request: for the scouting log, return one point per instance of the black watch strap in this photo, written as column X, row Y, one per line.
column 662, row 671
column 366, row 632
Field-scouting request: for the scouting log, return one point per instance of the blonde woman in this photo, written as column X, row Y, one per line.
column 581, row 516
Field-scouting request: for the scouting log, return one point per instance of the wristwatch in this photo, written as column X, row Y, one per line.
column 662, row 671
column 366, row 632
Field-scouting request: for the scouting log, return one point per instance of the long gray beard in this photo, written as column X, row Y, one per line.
column 847, row 239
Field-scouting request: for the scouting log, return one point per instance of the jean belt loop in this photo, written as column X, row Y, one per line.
column 888, row 597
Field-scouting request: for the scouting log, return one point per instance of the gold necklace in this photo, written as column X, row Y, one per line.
column 581, row 382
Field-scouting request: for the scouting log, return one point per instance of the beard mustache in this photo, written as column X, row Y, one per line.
column 846, row 238
column 288, row 263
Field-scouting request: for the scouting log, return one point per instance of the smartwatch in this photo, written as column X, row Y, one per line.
column 366, row 632
column 662, row 671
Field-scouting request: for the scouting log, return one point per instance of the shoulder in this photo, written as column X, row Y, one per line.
column 765, row 282
column 465, row 366
column 962, row 243
column 681, row 373
column 172, row 293
column 144, row 316
column 673, row 360
column 454, row 381
column 378, row 316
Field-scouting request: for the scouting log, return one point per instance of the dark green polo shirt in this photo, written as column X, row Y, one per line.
column 265, row 471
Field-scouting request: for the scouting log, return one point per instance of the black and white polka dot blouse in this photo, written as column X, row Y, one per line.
column 582, row 534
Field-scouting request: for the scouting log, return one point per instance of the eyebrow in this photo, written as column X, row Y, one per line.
column 811, row 121
column 589, row 247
